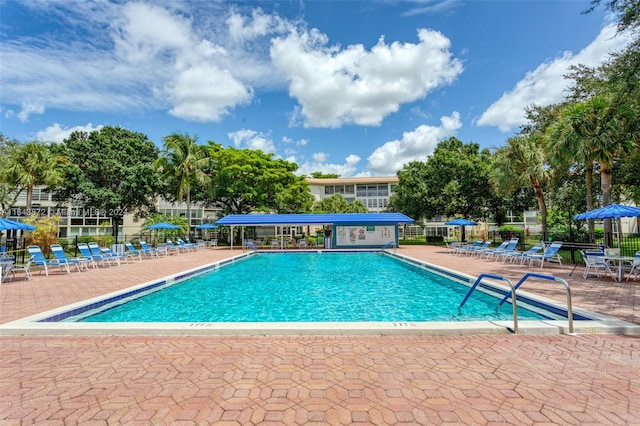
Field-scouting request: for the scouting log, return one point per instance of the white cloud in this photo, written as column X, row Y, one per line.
column 56, row 133
column 28, row 109
column 320, row 164
column 250, row 139
column 339, row 86
column 181, row 57
column 546, row 84
column 416, row 145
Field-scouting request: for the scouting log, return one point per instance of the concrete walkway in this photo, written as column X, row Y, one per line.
column 514, row 379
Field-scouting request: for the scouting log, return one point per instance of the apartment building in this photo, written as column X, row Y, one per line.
column 374, row 192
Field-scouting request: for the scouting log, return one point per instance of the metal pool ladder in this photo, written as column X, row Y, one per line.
column 513, row 294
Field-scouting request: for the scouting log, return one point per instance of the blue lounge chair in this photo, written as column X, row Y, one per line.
column 38, row 259
column 488, row 252
column 85, row 251
column 184, row 246
column 118, row 257
column 98, row 253
column 510, row 248
column 550, row 255
column 467, row 247
column 477, row 250
column 523, row 256
column 132, row 251
column 148, row 251
column 62, row 259
column 172, row 247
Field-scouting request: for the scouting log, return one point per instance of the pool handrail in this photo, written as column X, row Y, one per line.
column 513, row 295
column 548, row 278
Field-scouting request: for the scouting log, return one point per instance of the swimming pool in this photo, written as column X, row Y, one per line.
column 311, row 287
column 67, row 320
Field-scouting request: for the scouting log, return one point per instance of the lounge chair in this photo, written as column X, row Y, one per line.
column 86, row 252
column 275, row 244
column 114, row 255
column 173, row 247
column 24, row 267
column 62, row 259
column 97, row 251
column 550, row 255
column 251, row 246
column 302, row 244
column 523, row 256
column 38, row 259
column 184, row 246
column 594, row 263
column 510, row 248
column 488, row 252
column 132, row 251
column 635, row 267
column 468, row 247
column 477, row 250
column 148, row 251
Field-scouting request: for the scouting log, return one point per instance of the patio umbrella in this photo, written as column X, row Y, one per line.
column 7, row 224
column 612, row 211
column 207, row 226
column 163, row 225
column 461, row 222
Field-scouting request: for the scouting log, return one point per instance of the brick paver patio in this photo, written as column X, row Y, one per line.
column 496, row 379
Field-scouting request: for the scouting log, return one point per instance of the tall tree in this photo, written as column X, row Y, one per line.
column 597, row 129
column 454, row 180
column 244, row 181
column 32, row 164
column 182, row 164
column 111, row 169
column 522, row 163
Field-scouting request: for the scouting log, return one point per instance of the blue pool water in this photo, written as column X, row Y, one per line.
column 312, row 287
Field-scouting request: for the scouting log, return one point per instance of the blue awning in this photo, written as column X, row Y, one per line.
column 314, row 219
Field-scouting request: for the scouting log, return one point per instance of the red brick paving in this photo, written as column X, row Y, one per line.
column 492, row 379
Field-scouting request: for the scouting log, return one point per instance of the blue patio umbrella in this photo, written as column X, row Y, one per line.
column 461, row 222
column 163, row 225
column 612, row 211
column 8, row 224
column 207, row 226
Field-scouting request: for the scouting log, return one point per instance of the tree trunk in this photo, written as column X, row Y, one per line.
column 189, row 213
column 589, row 183
column 541, row 205
column 605, row 184
column 29, row 197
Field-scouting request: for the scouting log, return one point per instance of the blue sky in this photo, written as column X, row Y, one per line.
column 356, row 88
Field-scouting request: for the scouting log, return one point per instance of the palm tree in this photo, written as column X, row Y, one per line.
column 596, row 130
column 182, row 164
column 32, row 164
column 522, row 163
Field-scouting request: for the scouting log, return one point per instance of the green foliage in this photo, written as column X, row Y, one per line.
column 320, row 175
column 453, row 181
column 338, row 204
column 45, row 233
column 182, row 165
column 25, row 166
column 244, row 181
column 112, row 169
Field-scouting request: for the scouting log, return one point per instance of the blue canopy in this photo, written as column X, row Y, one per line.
column 163, row 225
column 612, row 211
column 7, row 224
column 206, row 226
column 314, row 219
column 460, row 222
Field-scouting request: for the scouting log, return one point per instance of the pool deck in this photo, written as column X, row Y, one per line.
column 481, row 379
